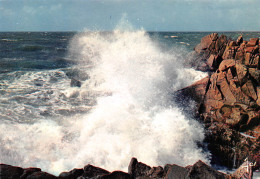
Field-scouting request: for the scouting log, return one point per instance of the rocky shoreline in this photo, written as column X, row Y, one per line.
column 228, row 104
column 228, row 100
column 135, row 170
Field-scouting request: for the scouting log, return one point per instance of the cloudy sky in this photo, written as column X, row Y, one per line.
column 152, row 15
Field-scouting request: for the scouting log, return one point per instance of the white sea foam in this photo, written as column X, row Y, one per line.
column 134, row 115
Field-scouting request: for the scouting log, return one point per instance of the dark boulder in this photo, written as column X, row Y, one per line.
column 175, row 171
column 137, row 169
column 10, row 172
column 156, row 172
column 29, row 171
column 92, row 171
column 195, row 91
column 75, row 83
column 200, row 170
column 41, row 175
column 73, row 174
column 117, row 175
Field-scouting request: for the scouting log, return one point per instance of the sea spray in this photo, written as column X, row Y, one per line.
column 132, row 82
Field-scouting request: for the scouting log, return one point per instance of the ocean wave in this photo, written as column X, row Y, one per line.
column 128, row 97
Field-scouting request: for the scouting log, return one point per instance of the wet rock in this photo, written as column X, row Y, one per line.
column 29, row 171
column 202, row 171
column 75, row 83
column 222, row 141
column 73, row 174
column 175, row 171
column 92, row 171
column 41, row 175
column 203, row 66
column 156, row 172
column 195, row 91
column 80, row 75
column 117, row 175
column 137, row 169
column 10, row 172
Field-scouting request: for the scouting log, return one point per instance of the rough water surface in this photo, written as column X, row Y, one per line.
column 122, row 109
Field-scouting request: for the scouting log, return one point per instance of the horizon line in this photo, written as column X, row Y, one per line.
column 70, row 31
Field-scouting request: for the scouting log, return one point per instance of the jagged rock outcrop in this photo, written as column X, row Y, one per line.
column 210, row 51
column 135, row 170
column 229, row 104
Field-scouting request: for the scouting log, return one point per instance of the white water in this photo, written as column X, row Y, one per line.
column 132, row 80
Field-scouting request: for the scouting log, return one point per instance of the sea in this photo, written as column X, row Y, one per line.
column 68, row 99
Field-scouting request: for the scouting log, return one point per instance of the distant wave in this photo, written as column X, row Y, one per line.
column 9, row 40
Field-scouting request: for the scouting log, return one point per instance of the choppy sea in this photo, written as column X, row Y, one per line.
column 68, row 99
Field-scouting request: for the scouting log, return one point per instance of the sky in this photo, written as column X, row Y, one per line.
column 150, row 15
